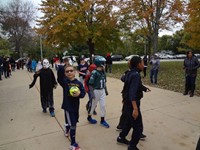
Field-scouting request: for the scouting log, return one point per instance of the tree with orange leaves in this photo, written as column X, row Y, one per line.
column 192, row 27
column 91, row 22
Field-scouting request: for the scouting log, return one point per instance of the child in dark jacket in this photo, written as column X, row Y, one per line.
column 135, row 88
column 47, row 83
column 71, row 103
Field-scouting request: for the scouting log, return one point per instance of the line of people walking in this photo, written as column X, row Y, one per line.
column 92, row 79
column 7, row 65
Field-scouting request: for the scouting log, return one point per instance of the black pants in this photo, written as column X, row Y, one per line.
column 47, row 101
column 123, row 118
column 1, row 72
column 71, row 118
column 190, row 83
column 145, row 71
column 198, row 145
column 137, row 126
column 108, row 68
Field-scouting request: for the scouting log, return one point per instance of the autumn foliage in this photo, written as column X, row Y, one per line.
column 192, row 27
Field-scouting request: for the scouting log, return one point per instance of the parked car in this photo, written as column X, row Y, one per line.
column 180, row 56
column 117, row 57
column 197, row 55
column 129, row 57
column 171, row 57
column 72, row 59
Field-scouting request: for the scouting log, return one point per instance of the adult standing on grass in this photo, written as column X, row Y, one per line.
column 155, row 65
column 145, row 60
column 108, row 63
column 191, row 64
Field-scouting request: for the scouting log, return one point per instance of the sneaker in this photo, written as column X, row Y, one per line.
column 74, row 147
column 142, row 136
column 52, row 114
column 191, row 94
column 44, row 111
column 105, row 124
column 185, row 93
column 132, row 148
column 92, row 121
column 122, row 141
column 119, row 128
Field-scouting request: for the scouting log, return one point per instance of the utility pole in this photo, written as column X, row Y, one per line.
column 41, row 47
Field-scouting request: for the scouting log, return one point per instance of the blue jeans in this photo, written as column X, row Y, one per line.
column 153, row 76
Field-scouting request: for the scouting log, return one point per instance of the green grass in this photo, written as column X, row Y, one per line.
column 171, row 76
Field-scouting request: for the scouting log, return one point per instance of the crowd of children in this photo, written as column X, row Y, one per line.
column 93, row 81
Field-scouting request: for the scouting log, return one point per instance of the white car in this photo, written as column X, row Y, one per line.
column 130, row 56
column 180, row 56
column 70, row 60
column 171, row 56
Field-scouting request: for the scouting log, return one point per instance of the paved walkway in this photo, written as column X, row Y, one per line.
column 171, row 120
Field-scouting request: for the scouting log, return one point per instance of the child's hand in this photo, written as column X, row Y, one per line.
column 30, row 86
column 148, row 90
column 135, row 114
column 77, row 94
column 106, row 92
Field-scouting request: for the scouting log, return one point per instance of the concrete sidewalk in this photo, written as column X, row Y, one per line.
column 171, row 120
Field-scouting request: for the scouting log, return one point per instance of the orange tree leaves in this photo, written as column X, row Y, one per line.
column 82, row 21
column 192, row 27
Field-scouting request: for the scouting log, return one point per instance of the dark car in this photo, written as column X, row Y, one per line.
column 117, row 57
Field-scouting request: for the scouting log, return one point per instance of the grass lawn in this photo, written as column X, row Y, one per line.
column 170, row 76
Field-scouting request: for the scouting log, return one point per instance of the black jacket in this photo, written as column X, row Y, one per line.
column 108, row 60
column 47, row 81
column 132, row 79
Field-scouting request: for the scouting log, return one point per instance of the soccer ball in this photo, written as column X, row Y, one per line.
column 73, row 90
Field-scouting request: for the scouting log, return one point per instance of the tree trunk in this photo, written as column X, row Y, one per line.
column 17, row 49
column 91, row 49
column 156, row 25
column 155, row 40
column 149, row 39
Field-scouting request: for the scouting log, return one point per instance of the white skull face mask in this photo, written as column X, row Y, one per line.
column 46, row 63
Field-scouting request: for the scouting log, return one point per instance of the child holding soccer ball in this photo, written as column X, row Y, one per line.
column 73, row 90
